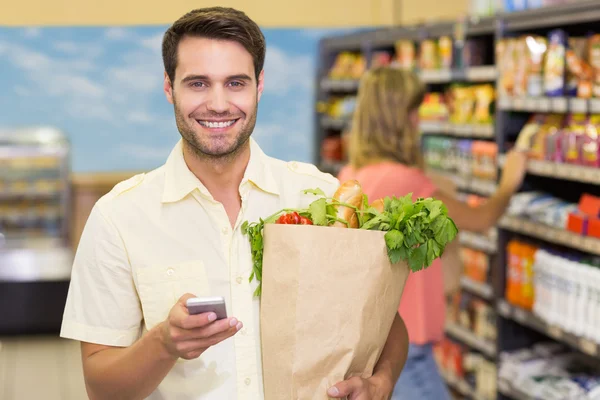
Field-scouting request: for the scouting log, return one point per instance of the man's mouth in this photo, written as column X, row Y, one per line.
column 217, row 124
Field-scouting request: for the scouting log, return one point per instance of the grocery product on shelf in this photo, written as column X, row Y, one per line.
column 519, row 274
column 570, row 138
column 542, row 208
column 476, row 264
column 406, row 57
column 457, row 362
column 549, row 371
column 433, row 108
column 556, row 65
column 338, row 107
column 348, row 65
column 474, row 315
column 464, row 157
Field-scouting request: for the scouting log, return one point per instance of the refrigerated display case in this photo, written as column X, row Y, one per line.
column 35, row 257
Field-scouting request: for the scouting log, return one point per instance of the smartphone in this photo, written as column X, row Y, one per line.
column 200, row 305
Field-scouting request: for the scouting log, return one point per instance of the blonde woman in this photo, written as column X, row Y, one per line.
column 385, row 157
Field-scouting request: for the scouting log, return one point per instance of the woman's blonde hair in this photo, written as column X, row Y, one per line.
column 381, row 129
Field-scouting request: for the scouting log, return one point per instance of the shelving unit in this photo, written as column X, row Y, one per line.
column 35, row 255
column 516, row 327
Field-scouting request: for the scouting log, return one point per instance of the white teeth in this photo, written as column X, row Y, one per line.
column 217, row 124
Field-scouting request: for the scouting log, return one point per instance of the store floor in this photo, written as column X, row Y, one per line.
column 40, row 367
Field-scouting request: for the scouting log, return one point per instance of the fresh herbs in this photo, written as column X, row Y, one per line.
column 416, row 232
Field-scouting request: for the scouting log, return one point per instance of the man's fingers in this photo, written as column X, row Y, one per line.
column 205, row 331
column 193, row 345
column 183, row 299
column 345, row 388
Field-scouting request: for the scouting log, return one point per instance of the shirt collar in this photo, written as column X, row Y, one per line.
column 180, row 181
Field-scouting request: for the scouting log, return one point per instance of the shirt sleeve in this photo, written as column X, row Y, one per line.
column 102, row 304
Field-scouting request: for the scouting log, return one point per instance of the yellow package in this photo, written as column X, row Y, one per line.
column 463, row 100
column 428, row 56
column 405, row 54
column 445, row 52
column 484, row 97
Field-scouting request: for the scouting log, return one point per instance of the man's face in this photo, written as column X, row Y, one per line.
column 215, row 95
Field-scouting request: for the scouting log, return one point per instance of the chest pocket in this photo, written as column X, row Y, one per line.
column 160, row 286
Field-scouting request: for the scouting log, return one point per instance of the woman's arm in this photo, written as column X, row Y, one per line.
column 482, row 218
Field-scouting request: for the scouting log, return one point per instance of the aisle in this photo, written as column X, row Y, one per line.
column 43, row 367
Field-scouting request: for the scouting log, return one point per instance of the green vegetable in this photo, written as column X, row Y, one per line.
column 416, row 232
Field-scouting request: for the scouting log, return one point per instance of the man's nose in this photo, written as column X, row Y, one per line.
column 218, row 101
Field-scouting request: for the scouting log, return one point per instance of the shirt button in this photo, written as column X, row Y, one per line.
column 293, row 165
column 170, row 271
column 239, row 280
column 225, row 230
column 247, row 381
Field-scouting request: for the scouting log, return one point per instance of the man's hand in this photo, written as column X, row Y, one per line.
column 374, row 388
column 188, row 336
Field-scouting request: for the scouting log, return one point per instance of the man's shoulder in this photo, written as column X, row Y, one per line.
column 302, row 174
column 144, row 185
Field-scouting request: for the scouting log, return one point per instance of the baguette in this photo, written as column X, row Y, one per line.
column 349, row 192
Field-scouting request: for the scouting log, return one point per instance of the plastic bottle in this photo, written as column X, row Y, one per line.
column 511, row 293
column 527, row 293
column 540, row 278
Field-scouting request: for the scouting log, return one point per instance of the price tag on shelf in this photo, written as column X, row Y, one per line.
column 579, row 106
column 589, row 347
column 595, row 106
column 504, row 103
column 519, row 315
column 559, row 104
column 531, row 104
column 544, row 104
column 555, row 332
column 519, row 103
column 504, row 308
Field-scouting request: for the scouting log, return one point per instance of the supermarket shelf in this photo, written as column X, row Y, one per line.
column 550, row 234
column 335, row 123
column 486, row 73
column 479, row 186
column 461, row 386
column 549, row 104
column 483, row 290
column 570, row 172
column 342, row 85
column 478, row 242
column 470, row 339
column 468, row 131
column 532, row 321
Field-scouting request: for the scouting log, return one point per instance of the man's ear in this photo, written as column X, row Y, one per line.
column 261, row 83
column 168, row 88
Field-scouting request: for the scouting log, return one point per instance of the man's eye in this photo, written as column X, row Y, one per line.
column 236, row 84
column 197, row 84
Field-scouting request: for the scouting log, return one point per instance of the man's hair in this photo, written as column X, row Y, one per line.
column 219, row 23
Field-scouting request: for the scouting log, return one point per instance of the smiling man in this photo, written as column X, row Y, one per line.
column 174, row 233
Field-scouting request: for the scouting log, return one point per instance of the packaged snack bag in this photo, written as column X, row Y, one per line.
column 554, row 146
column 552, row 124
column 506, row 54
column 579, row 72
column 463, row 104
column 528, row 132
column 428, row 57
column 594, row 61
column 445, row 48
column 536, row 50
column 554, row 66
column 589, row 143
column 405, row 54
column 521, row 67
column 576, row 127
column 484, row 97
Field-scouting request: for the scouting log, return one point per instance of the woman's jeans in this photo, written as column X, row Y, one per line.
column 420, row 378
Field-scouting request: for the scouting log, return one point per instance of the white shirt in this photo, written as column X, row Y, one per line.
column 160, row 235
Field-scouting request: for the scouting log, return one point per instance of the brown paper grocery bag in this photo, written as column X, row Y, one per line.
column 329, row 297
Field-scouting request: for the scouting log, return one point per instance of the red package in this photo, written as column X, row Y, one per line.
column 577, row 223
column 594, row 227
column 589, row 205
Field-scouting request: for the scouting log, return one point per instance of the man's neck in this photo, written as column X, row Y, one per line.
column 222, row 178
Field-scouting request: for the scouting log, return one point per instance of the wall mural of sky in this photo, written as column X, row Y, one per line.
column 103, row 87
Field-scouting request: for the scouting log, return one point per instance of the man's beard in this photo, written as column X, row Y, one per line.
column 204, row 148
